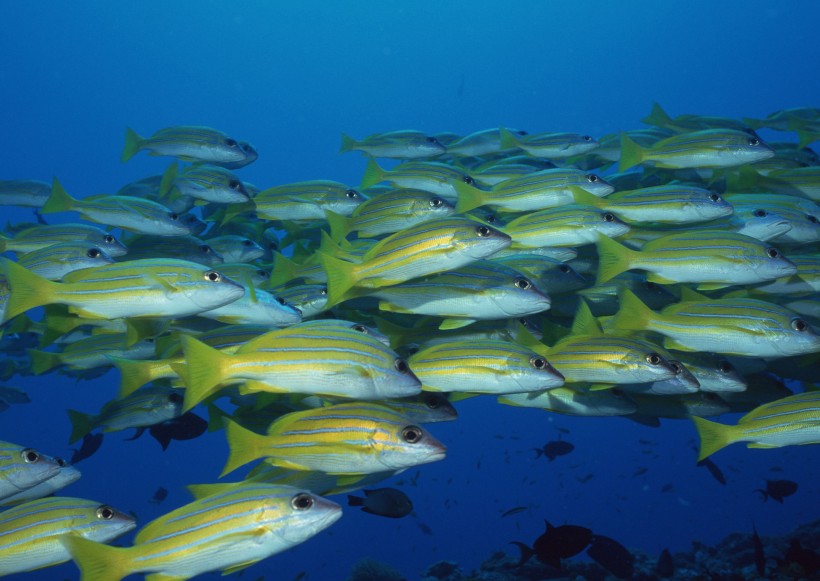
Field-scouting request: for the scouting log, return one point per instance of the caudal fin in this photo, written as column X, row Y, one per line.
column 59, row 200
column 713, row 436
column 81, row 424
column 133, row 143
column 245, row 446
column 348, row 143
column 631, row 153
column 28, row 290
column 203, row 370
column 613, row 259
column 373, row 174
column 633, row 314
column 469, row 197
column 341, row 277
column 657, row 117
column 97, row 562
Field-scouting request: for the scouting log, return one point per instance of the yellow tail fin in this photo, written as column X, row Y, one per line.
column 713, row 436
column 133, row 143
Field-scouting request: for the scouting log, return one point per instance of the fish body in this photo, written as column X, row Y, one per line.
column 30, row 533
column 571, row 225
column 188, row 248
column 431, row 176
column 789, row 421
column 256, row 307
column 348, row 438
column 778, row 490
column 402, row 144
column 561, row 542
column 25, row 193
column 575, row 402
column 210, row 183
column 479, row 143
column 226, row 531
column 236, row 249
column 549, row 145
column 187, row 143
column 389, row 502
column 612, row 556
column 54, row 262
column 306, row 200
column 45, row 235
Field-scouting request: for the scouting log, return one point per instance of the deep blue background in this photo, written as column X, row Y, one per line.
column 290, row 78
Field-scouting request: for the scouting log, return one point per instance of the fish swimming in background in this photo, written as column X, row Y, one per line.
column 188, row 143
column 612, row 556
column 159, row 495
column 388, row 502
column 556, row 543
column 777, row 490
column 185, row 427
column 402, row 144
column 91, row 443
column 551, row 450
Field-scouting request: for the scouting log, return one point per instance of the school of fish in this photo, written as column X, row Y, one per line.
column 666, row 272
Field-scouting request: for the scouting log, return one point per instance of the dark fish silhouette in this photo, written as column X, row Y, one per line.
column 91, row 443
column 778, row 490
column 514, row 510
column 186, row 427
column 556, row 543
column 665, row 567
column 388, row 502
column 760, row 556
column 554, row 449
column 612, row 556
column 713, row 470
column 160, row 495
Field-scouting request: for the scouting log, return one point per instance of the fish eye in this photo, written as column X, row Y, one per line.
column 173, row 216
column 772, row 252
column 262, row 273
column 431, row 140
column 753, row 141
column 676, row 367
column 714, row 197
column 609, row 217
column 30, row 455
column 281, row 301
column 231, row 142
column 247, row 242
column 538, row 362
column 468, row 180
column 799, row 325
column 360, row 329
column 205, row 248
column 108, row 239
column 60, row 462
column 483, row 231
column 412, row 434
column 522, row 283
column 565, row 269
column 490, row 219
column 811, row 218
column 586, row 138
column 725, row 367
column 302, row 501
column 759, row 213
column 213, row 276
column 521, row 132
column 352, row 194
column 653, row 359
column 436, row 203
column 273, row 246
column 323, row 291
column 105, row 512
column 431, row 401
column 93, row 253
column 401, row 366
column 174, row 398
column 592, row 178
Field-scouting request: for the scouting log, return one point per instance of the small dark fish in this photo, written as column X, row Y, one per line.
column 584, row 479
column 160, row 495
column 186, row 427
column 778, row 490
column 760, row 556
column 665, row 566
column 514, row 510
column 612, row 556
column 556, row 543
column 640, row 471
column 668, row 487
column 713, row 470
column 91, row 443
column 388, row 502
column 425, row 529
column 808, row 560
column 554, row 449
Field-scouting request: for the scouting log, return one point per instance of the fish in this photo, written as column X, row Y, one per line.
column 67, row 474
column 45, row 235
column 160, row 495
column 402, row 144
column 686, row 123
column 22, row 468
column 716, row 473
column 788, row 421
column 226, row 531
column 31, row 533
column 210, row 183
column 513, row 510
column 347, row 438
column 612, row 556
column 25, row 193
column 389, row 502
column 187, row 143
column 777, row 490
column 551, row 450
column 236, row 249
column 570, row 225
column 549, row 145
column 556, row 543
column 308, row 200
column 440, row 179
column 91, row 443
column 185, row 427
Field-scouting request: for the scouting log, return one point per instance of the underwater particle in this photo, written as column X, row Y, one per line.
column 388, row 502
column 553, row 449
column 612, row 556
column 561, row 542
column 777, row 490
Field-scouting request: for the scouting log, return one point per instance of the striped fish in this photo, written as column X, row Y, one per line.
column 549, row 145
column 316, row 359
column 550, row 275
column 570, row 225
column 714, row 374
column 712, row 259
column 68, row 474
column 306, row 200
column 235, row 249
column 347, row 438
column 31, row 533
column 790, row 421
column 733, row 326
column 402, row 144
column 188, row 143
column 27, row 193
column 256, row 307
column 211, row 183
column 177, row 247
column 21, row 468
column 547, row 188
column 225, row 531
column 708, row 148
column 427, row 248
column 483, row 366
column 309, row 299
column 137, row 288
column 44, row 235
column 54, row 262
column 431, row 176
column 574, row 402
column 126, row 212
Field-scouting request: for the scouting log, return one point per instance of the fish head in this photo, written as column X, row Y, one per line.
column 25, row 467
column 103, row 523
column 709, row 206
column 304, row 515
column 425, row 146
column 595, row 185
column 345, row 201
column 519, row 297
column 478, row 240
column 213, row 290
column 109, row 244
column 397, row 379
column 429, row 205
column 798, row 337
column 608, row 224
column 408, row 445
column 531, row 371
column 748, row 147
column 645, row 362
column 773, row 264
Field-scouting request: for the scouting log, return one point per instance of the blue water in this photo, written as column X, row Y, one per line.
column 290, row 78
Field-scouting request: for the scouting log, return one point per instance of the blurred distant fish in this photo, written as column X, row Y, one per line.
column 549, row 145
column 54, row 262
column 403, row 144
column 551, row 450
column 556, row 543
column 160, row 495
column 27, row 193
column 188, row 143
column 612, row 556
column 716, row 473
column 91, row 443
column 388, row 502
column 778, row 490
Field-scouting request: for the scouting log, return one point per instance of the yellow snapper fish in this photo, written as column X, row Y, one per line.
column 21, row 468
column 26, row 193
column 137, row 288
column 227, row 531
column 44, row 235
column 549, row 145
column 188, row 143
column 348, row 438
column 31, row 533
column 54, row 262
column 402, row 144
column 790, row 421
